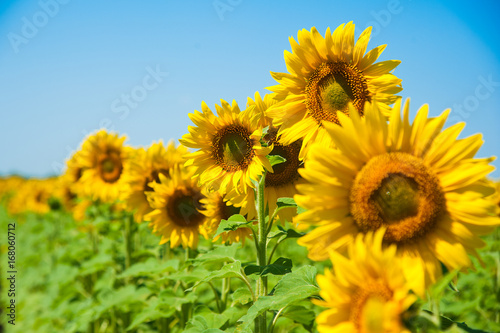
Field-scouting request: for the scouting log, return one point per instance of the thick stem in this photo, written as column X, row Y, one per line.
column 226, row 288
column 261, row 321
column 128, row 235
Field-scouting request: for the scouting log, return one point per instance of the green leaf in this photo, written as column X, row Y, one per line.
column 167, row 299
column 437, row 289
column 97, row 263
column 293, row 287
column 234, row 222
column 241, row 295
column 300, row 314
column 205, row 320
column 221, row 253
column 152, row 312
column 301, row 210
column 286, row 202
column 283, row 234
column 275, row 159
column 229, row 270
column 195, row 275
column 150, row 267
column 447, row 323
column 265, row 130
column 122, row 297
column 281, row 266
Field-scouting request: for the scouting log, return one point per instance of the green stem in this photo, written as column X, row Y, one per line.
column 261, row 321
column 128, row 235
column 244, row 278
column 275, row 319
column 272, row 252
column 226, row 288
column 216, row 296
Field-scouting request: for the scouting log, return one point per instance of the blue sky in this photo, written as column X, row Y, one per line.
column 70, row 67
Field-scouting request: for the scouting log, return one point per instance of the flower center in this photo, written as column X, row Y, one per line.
column 330, row 89
column 233, row 148
column 287, row 172
column 110, row 167
column 396, row 190
column 397, row 198
column 155, row 176
column 225, row 210
column 363, row 300
column 184, row 207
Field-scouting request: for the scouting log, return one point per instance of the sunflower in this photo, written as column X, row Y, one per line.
column 70, row 187
column 102, row 160
column 326, row 74
column 281, row 182
column 33, row 195
column 217, row 209
column 146, row 167
column 420, row 182
column 496, row 195
column 229, row 153
column 261, row 105
column 9, row 186
column 365, row 292
column 177, row 214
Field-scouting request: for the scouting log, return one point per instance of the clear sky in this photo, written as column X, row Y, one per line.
column 69, row 67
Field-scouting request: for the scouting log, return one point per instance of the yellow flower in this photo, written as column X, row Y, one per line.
column 285, row 176
column 217, row 209
column 102, row 160
column 145, row 168
column 177, row 215
column 496, row 195
column 9, row 186
column 420, row 182
column 33, row 195
column 229, row 153
column 326, row 74
column 80, row 209
column 366, row 292
column 261, row 106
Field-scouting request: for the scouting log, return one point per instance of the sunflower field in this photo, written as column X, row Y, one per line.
column 319, row 207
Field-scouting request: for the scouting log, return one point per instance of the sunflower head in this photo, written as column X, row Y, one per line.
column 416, row 180
column 33, row 195
column 102, row 161
column 260, row 106
column 365, row 292
column 146, row 167
column 177, row 209
column 217, row 209
column 229, row 153
column 326, row 75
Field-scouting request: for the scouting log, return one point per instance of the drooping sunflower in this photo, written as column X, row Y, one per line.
column 145, row 168
column 102, row 160
column 420, row 182
column 177, row 216
column 229, row 153
column 366, row 292
column 326, row 74
column 285, row 176
column 217, row 209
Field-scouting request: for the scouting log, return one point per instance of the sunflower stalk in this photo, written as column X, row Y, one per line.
column 261, row 321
